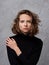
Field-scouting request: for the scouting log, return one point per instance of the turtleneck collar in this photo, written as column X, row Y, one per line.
column 24, row 36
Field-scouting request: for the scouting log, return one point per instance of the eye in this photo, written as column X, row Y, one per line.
column 22, row 21
column 29, row 21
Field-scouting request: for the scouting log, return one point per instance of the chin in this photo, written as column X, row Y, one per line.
column 25, row 32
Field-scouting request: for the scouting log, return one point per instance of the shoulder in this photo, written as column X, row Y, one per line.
column 38, row 41
column 14, row 37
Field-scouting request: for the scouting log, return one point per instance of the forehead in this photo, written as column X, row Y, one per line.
column 24, row 17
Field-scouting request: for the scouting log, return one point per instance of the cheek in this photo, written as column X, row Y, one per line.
column 20, row 25
column 29, row 25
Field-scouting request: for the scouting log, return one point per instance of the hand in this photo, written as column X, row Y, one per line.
column 11, row 43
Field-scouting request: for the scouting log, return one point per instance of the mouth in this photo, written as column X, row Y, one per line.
column 26, row 28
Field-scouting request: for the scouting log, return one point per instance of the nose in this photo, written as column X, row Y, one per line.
column 25, row 23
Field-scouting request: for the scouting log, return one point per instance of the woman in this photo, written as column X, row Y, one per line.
column 24, row 48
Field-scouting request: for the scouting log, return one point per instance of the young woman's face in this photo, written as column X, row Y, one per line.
column 25, row 22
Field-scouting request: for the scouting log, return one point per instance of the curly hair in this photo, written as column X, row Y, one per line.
column 35, row 22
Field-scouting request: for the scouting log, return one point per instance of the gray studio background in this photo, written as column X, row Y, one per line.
column 8, row 11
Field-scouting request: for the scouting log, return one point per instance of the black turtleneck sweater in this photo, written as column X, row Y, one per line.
column 31, row 49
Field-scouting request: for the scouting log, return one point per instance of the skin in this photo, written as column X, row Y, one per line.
column 25, row 22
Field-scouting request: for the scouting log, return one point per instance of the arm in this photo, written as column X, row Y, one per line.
column 13, row 45
column 33, row 58
column 11, row 56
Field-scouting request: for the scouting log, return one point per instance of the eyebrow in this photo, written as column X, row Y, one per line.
column 26, row 21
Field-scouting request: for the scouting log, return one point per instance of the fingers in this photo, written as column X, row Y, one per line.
column 8, row 40
column 7, row 44
column 11, row 43
column 12, row 39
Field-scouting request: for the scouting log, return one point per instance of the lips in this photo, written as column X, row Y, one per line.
column 26, row 28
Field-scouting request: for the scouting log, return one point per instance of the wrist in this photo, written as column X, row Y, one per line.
column 18, row 51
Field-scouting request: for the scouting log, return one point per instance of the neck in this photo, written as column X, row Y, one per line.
column 24, row 33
